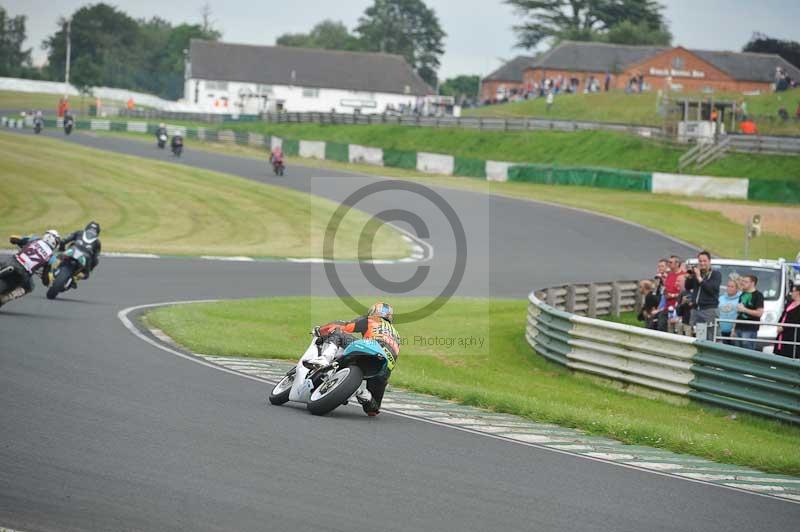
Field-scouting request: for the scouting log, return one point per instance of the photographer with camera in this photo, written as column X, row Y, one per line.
column 705, row 283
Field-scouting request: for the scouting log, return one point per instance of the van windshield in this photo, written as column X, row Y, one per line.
column 769, row 279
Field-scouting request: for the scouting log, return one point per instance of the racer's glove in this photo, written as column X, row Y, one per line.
column 15, row 239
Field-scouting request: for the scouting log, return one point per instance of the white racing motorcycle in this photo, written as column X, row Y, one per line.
column 329, row 374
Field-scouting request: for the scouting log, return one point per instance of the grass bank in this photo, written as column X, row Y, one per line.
column 642, row 109
column 707, row 228
column 502, row 374
column 159, row 207
column 582, row 148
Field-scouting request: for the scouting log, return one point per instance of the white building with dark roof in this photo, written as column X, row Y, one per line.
column 248, row 79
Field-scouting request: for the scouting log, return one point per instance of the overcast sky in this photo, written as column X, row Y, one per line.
column 479, row 32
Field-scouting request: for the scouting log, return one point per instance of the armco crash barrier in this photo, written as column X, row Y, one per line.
column 779, row 191
column 725, row 376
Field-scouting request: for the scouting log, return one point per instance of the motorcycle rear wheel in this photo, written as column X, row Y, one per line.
column 335, row 391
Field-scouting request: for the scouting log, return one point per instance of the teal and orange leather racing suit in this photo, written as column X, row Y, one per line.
column 377, row 329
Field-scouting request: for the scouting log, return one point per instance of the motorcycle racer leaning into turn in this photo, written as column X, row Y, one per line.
column 88, row 239
column 33, row 258
column 376, row 326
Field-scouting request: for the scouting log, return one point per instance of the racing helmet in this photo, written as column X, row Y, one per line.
column 92, row 230
column 382, row 310
column 51, row 238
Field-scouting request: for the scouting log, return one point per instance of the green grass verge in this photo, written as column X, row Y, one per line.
column 642, row 109
column 667, row 214
column 48, row 103
column 582, row 148
column 159, row 207
column 503, row 374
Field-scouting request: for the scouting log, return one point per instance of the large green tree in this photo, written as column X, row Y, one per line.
column 623, row 21
column 405, row 27
column 112, row 49
column 328, row 34
column 15, row 61
column 789, row 50
column 461, row 87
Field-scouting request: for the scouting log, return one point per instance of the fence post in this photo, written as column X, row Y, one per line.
column 616, row 298
column 551, row 296
column 591, row 310
column 570, row 301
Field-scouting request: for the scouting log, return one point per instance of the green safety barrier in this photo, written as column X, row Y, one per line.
column 119, row 126
column 241, row 138
column 469, row 167
column 211, row 134
column 778, row 191
column 723, row 375
column 551, row 335
column 747, row 380
column 335, row 151
column 586, row 177
column 400, row 159
column 290, row 147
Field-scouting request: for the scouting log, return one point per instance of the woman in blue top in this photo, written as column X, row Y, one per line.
column 727, row 309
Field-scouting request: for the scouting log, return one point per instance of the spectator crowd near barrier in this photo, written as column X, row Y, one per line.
column 692, row 299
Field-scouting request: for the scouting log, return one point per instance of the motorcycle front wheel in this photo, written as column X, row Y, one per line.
column 335, row 390
column 60, row 282
column 280, row 393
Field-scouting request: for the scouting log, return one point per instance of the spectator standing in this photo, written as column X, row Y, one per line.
column 607, row 82
column 790, row 316
column 672, row 289
column 649, row 313
column 750, row 308
column 797, row 113
column 705, row 283
column 728, row 303
column 685, row 306
column 662, row 268
column 549, row 100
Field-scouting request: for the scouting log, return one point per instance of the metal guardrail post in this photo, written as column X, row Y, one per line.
column 551, row 297
column 616, row 298
column 570, row 299
column 591, row 311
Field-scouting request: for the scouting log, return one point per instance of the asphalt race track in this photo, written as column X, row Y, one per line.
column 101, row 431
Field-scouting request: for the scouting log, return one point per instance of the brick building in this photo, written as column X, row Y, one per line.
column 506, row 80
column 677, row 68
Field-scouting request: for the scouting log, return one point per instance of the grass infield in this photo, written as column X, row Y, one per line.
column 473, row 351
column 706, row 229
column 160, row 207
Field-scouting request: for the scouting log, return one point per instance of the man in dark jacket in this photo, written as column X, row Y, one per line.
column 705, row 283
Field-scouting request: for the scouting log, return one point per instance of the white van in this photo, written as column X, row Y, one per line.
column 775, row 279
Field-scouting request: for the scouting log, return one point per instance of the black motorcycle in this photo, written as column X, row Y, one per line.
column 161, row 140
column 37, row 125
column 69, row 123
column 278, row 167
column 67, row 268
column 177, row 145
column 11, row 280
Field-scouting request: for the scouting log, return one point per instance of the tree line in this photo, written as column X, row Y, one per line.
column 108, row 48
column 111, row 48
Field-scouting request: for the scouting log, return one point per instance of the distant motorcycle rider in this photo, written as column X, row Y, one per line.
column 376, row 326
column 176, row 142
column 88, row 239
column 276, row 155
column 32, row 259
column 162, row 130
